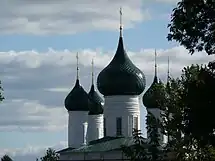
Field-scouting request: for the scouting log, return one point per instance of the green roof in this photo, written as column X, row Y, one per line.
column 105, row 144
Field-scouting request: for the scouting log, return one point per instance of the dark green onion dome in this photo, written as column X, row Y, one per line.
column 121, row 76
column 96, row 103
column 150, row 97
column 154, row 96
column 77, row 99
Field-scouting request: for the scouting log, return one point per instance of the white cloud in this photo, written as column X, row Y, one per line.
column 35, row 83
column 27, row 115
column 30, row 153
column 68, row 16
column 168, row 1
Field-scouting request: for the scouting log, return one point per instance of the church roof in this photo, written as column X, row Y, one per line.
column 77, row 99
column 121, row 76
column 106, row 144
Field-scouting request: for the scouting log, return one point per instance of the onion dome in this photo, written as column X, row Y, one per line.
column 153, row 97
column 77, row 99
column 121, row 76
column 96, row 103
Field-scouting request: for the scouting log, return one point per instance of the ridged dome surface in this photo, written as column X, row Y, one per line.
column 96, row 103
column 77, row 99
column 154, row 96
column 121, row 76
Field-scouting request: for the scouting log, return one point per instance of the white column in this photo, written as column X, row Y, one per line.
column 95, row 127
column 76, row 128
column 85, row 126
column 121, row 106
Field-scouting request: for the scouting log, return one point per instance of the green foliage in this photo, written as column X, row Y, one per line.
column 193, row 25
column 188, row 114
column 6, row 158
column 50, row 155
column 1, row 92
column 153, row 126
column 187, row 118
column 136, row 152
column 172, row 115
column 200, row 105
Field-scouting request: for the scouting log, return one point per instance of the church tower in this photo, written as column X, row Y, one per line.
column 95, row 116
column 121, row 83
column 76, row 103
column 151, row 100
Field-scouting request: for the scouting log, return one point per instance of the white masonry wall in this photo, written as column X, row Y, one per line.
column 126, row 107
column 157, row 113
column 77, row 128
column 95, row 127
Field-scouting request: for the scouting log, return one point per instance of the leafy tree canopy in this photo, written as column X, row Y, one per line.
column 193, row 25
column 137, row 151
column 1, row 92
column 6, row 158
column 200, row 103
column 50, row 155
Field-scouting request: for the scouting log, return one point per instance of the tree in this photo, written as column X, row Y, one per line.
column 1, row 91
column 193, row 25
column 50, row 155
column 200, row 104
column 188, row 114
column 6, row 158
column 154, row 147
column 136, row 152
column 172, row 118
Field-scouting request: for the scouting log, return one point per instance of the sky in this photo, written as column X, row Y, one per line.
column 38, row 43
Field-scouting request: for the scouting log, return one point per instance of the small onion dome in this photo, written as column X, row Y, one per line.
column 96, row 103
column 77, row 99
column 121, row 76
column 154, row 96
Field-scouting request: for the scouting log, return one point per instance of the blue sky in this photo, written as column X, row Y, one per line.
column 38, row 43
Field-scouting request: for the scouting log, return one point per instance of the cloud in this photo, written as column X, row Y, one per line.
column 67, row 17
column 30, row 153
column 168, row 1
column 36, row 83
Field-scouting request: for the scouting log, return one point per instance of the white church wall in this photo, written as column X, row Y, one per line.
column 126, row 107
column 95, row 127
column 77, row 128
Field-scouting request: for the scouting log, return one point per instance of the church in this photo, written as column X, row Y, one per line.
column 98, row 127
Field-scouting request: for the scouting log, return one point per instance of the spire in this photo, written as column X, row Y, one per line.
column 92, row 72
column 77, row 58
column 120, row 28
column 155, row 63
